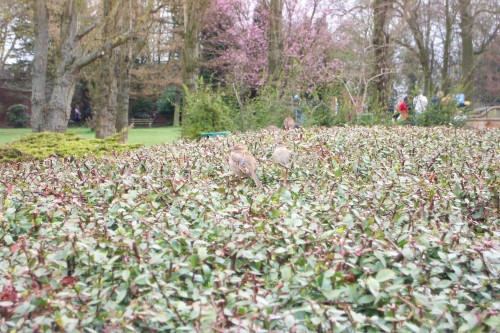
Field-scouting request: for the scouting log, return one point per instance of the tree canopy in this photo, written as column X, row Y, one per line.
column 369, row 48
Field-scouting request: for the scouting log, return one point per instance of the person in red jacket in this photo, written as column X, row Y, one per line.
column 403, row 108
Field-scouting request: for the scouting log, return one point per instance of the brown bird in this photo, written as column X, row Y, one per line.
column 288, row 123
column 271, row 128
column 281, row 154
column 243, row 164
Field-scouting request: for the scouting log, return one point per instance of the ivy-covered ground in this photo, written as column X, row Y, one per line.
column 377, row 229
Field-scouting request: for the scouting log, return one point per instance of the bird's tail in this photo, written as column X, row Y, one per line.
column 256, row 180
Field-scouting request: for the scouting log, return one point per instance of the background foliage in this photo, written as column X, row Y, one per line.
column 206, row 111
column 17, row 115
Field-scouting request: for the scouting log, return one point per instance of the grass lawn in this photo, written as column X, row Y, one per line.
column 146, row 136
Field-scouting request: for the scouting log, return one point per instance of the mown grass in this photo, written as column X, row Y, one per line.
column 145, row 136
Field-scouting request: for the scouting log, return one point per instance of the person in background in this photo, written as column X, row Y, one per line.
column 393, row 102
column 78, row 115
column 437, row 99
column 154, row 113
column 420, row 105
column 299, row 117
column 403, row 108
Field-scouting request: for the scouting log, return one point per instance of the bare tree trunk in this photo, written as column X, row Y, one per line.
column 108, row 97
column 59, row 107
column 41, row 50
column 123, row 91
column 445, row 85
column 177, row 111
column 466, row 24
column 124, row 65
column 381, row 85
column 108, row 80
column 275, row 38
column 422, row 41
column 193, row 13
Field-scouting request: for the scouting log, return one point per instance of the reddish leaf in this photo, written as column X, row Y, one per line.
column 8, row 294
column 69, row 281
column 15, row 247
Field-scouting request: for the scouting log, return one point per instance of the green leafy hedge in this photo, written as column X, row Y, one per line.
column 42, row 145
column 377, row 229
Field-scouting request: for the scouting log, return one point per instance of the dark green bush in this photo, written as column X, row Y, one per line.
column 438, row 113
column 141, row 106
column 17, row 115
column 142, row 115
column 321, row 114
column 166, row 103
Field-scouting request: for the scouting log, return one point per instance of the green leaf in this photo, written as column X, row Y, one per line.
column 332, row 295
column 158, row 258
column 385, row 275
column 443, row 284
column 413, row 328
column 194, row 260
column 286, row 273
column 8, row 239
column 125, row 275
column 289, row 321
column 120, row 295
column 366, row 299
column 141, row 279
column 24, row 308
column 493, row 321
column 373, row 286
column 329, row 273
column 477, row 265
column 202, row 253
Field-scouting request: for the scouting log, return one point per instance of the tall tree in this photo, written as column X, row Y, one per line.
column 242, row 43
column 447, row 40
column 417, row 15
column 193, row 18
column 479, row 24
column 15, row 30
column 275, row 37
column 58, row 109
column 39, row 75
column 107, row 98
column 380, row 42
column 70, row 61
column 124, row 63
column 466, row 25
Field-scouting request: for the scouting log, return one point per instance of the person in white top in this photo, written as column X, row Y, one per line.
column 420, row 104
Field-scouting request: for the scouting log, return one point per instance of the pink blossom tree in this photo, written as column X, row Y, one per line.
column 237, row 42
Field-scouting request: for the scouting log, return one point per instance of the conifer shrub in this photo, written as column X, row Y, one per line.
column 38, row 146
column 205, row 111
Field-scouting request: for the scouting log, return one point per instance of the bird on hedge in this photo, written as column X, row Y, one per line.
column 243, row 164
column 281, row 154
column 288, row 123
column 271, row 128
